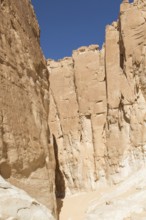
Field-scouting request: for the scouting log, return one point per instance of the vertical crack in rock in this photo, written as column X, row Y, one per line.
column 75, row 83
column 57, row 109
column 59, row 179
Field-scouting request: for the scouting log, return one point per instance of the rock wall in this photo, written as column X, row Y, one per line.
column 98, row 106
column 125, row 64
column 78, row 115
column 95, row 106
column 26, row 156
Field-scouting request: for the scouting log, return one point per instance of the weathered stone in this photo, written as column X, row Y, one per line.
column 26, row 157
column 16, row 204
column 95, row 107
column 78, row 116
column 99, row 105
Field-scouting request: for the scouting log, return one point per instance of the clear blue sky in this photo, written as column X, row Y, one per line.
column 68, row 24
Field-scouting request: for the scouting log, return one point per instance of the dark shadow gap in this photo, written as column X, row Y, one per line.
column 59, row 180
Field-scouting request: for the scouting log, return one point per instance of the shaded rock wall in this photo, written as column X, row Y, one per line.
column 98, row 106
column 26, row 156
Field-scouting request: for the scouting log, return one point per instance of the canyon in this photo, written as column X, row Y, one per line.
column 73, row 131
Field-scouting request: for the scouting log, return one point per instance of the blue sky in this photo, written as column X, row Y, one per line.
column 68, row 24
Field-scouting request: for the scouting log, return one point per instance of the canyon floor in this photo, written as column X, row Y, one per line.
column 74, row 207
column 126, row 201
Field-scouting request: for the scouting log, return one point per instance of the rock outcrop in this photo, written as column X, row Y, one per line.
column 78, row 116
column 98, row 105
column 16, row 204
column 123, row 202
column 26, row 156
column 125, row 69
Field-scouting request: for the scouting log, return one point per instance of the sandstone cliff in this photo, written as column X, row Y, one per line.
column 26, row 157
column 98, row 106
column 93, row 102
column 78, row 115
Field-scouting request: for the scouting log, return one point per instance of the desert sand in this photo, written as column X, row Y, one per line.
column 75, row 207
column 124, row 201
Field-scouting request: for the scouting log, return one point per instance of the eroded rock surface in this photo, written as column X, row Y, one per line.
column 95, row 107
column 78, row 116
column 123, row 202
column 98, row 105
column 16, row 204
column 26, row 157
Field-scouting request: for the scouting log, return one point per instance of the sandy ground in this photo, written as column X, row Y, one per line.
column 74, row 207
column 126, row 201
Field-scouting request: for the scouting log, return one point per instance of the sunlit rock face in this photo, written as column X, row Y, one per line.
column 125, row 69
column 98, row 105
column 78, row 116
column 26, row 158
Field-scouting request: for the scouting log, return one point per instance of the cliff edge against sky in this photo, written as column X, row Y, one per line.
column 77, row 124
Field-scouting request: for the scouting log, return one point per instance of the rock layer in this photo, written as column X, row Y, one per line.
column 98, row 106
